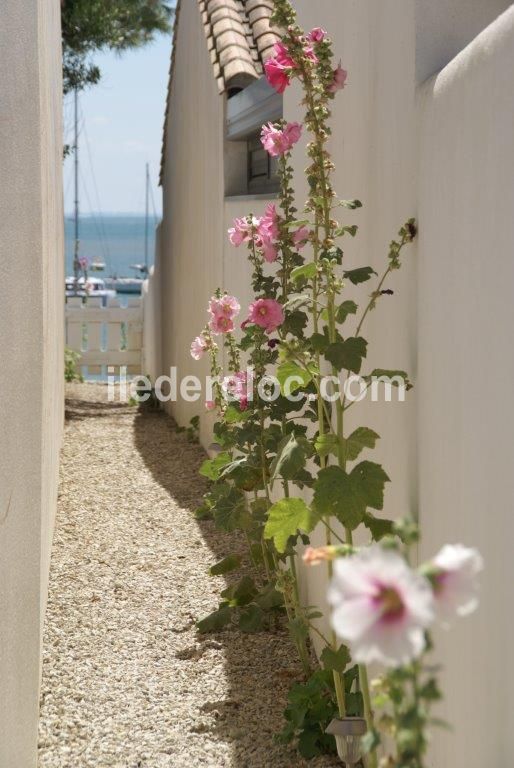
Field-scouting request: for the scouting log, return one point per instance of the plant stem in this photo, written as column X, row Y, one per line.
column 368, row 712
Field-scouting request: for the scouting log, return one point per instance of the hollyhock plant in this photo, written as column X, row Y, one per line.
column 340, row 77
column 221, row 324
column 224, row 306
column 240, row 232
column 278, row 68
column 301, row 237
column 380, row 607
column 266, row 313
column 317, row 35
column 198, row 347
column 237, row 386
column 454, row 575
column 277, row 141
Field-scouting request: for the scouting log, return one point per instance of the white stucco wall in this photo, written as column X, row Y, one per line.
column 466, row 370
column 31, row 373
column 373, row 149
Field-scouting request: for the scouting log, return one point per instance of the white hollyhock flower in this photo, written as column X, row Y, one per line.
column 454, row 573
column 381, row 607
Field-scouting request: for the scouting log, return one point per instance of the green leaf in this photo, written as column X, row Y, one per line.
column 335, row 495
column 251, row 619
column 215, row 621
column 230, row 511
column 285, row 519
column 370, row 479
column 347, row 355
column 379, row 373
column 360, row 275
column 351, row 204
column 269, row 598
column 345, row 309
column 326, row 444
column 287, row 370
column 377, row 526
column 305, row 271
column 212, row 468
column 241, row 593
column 336, row 661
column 347, row 496
column 290, row 459
column 319, row 342
column 359, row 439
column 229, row 563
column 347, row 230
column 234, row 414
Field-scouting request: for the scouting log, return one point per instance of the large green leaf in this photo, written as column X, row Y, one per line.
column 360, row 275
column 229, row 563
column 212, row 468
column 251, row 619
column 287, row 370
column 290, row 458
column 286, row 518
column 216, row 620
column 384, row 373
column 306, row 271
column 378, row 526
column 326, row 444
column 345, row 309
column 361, row 438
column 347, row 496
column 336, row 661
column 230, row 511
column 348, row 354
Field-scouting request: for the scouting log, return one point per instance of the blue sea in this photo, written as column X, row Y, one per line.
column 117, row 240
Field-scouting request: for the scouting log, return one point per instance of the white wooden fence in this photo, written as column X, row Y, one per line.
column 105, row 335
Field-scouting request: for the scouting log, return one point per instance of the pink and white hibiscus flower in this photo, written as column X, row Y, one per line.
column 198, row 347
column 453, row 573
column 279, row 67
column 380, row 607
column 340, row 77
column 278, row 141
column 266, row 313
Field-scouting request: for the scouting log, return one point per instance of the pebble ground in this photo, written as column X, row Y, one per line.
column 127, row 681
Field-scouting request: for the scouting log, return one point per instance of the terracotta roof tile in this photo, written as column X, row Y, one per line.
column 239, row 38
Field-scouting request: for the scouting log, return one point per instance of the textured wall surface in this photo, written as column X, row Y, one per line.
column 466, row 371
column 31, row 373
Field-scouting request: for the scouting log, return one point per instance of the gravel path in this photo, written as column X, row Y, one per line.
column 127, row 682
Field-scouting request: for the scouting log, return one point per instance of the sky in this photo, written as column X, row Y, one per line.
column 120, row 122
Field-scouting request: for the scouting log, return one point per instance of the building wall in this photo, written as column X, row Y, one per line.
column 466, row 371
column 31, row 374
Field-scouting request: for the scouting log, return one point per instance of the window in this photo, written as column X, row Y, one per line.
column 262, row 168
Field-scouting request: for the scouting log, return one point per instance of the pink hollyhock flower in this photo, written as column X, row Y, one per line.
column 317, row 35
column 278, row 68
column 267, row 313
column 226, row 306
column 310, row 55
column 237, row 386
column 380, row 607
column 198, row 347
column 267, row 233
column 340, row 77
column 301, row 237
column 221, row 324
column 277, row 141
column 453, row 573
column 240, row 232
column 210, row 405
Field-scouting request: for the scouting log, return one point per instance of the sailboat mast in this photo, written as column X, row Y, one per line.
column 146, row 215
column 76, row 263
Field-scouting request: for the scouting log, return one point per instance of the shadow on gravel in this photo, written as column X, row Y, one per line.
column 260, row 667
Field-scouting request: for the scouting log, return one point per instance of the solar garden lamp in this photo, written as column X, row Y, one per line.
column 348, row 733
